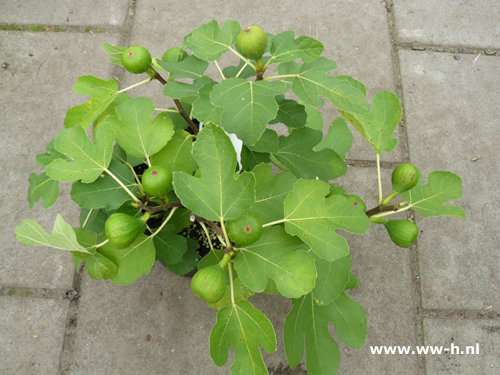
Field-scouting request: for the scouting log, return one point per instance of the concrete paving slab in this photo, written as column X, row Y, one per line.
column 155, row 326
column 462, row 337
column 355, row 34
column 452, row 119
column 385, row 291
column 32, row 334
column 36, row 82
column 64, row 13
column 448, row 22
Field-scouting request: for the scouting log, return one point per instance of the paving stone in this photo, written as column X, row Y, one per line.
column 448, row 22
column 385, row 291
column 354, row 33
column 452, row 118
column 32, row 334
column 64, row 13
column 154, row 326
column 39, row 70
column 466, row 336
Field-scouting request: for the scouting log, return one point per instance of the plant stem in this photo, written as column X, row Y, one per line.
column 88, row 217
column 225, row 260
column 135, row 85
column 212, row 225
column 387, row 213
column 206, row 232
column 122, row 185
column 220, row 70
column 179, row 106
column 139, row 183
column 244, row 66
column 164, row 223
column 102, row 243
column 226, row 237
column 259, row 69
column 241, row 57
column 231, row 283
column 380, row 196
column 274, row 223
column 389, row 198
column 280, row 76
column 167, row 110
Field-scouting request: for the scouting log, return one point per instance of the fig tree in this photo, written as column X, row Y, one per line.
column 174, row 54
column 122, row 229
column 252, row 42
column 402, row 232
column 136, row 59
column 244, row 230
column 209, row 283
column 157, row 181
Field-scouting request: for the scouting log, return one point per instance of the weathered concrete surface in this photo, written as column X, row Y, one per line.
column 452, row 119
column 32, row 334
column 468, row 336
column 64, row 13
column 447, row 22
column 39, row 70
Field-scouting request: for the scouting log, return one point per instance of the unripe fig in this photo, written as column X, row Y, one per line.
column 122, row 229
column 157, row 181
column 244, row 230
column 402, row 232
column 136, row 59
column 404, row 177
column 209, row 283
column 174, row 54
column 356, row 201
column 252, row 42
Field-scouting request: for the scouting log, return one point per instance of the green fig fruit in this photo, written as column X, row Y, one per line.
column 157, row 181
column 402, row 232
column 252, row 42
column 122, row 229
column 244, row 230
column 357, row 201
column 174, row 55
column 136, row 59
column 404, row 177
column 209, row 283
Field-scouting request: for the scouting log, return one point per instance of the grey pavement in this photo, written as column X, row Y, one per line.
column 441, row 57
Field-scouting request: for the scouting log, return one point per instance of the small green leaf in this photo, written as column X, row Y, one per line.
column 189, row 259
column 285, row 48
column 186, row 91
column 273, row 257
column 208, row 42
column 315, row 219
column 311, row 81
column 338, row 139
column 296, row 153
column 242, row 327
column 136, row 133
column 133, row 261
column 177, row 154
column 441, row 187
column 93, row 220
column 105, row 191
column 88, row 160
column 169, row 246
column 190, row 67
column 270, row 193
column 52, row 154
column 219, row 194
column 377, row 127
column 314, row 117
column 250, row 159
column 349, row 320
column 42, row 186
column 63, row 237
column 102, row 93
column 322, row 353
column 248, row 106
column 290, row 113
column 332, row 278
column 115, row 52
column 100, row 267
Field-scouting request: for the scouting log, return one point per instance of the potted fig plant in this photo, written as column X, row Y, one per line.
column 157, row 183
